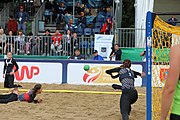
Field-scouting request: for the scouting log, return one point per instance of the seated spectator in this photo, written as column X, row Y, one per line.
column 20, row 43
column 37, row 4
column 9, row 46
column 106, row 28
column 12, row 25
column 48, row 10
column 82, row 21
column 67, row 41
column 2, row 40
column 172, row 21
column 77, row 55
column 116, row 53
column 96, row 56
column 61, row 12
column 71, row 26
column 22, row 18
column 46, row 42
column 56, row 45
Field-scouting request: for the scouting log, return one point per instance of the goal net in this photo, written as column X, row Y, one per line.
column 164, row 36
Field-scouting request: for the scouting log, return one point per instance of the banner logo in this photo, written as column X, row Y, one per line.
column 25, row 71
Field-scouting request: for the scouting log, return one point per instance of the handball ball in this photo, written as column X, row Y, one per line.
column 86, row 67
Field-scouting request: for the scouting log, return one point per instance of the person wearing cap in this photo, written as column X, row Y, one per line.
column 96, row 56
column 22, row 18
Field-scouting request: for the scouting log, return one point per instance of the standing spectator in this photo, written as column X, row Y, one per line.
column 9, row 43
column 22, row 18
column 82, row 21
column 56, row 45
column 2, row 40
column 106, row 28
column 74, row 42
column 144, row 55
column 96, row 56
column 116, row 53
column 78, row 8
column 61, row 10
column 46, row 42
column 12, row 25
column 20, row 43
column 71, row 26
column 172, row 21
column 68, row 42
column 77, row 55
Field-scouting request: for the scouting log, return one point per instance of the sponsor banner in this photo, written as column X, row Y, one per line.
column 94, row 74
column 159, row 75
column 103, row 44
column 37, row 72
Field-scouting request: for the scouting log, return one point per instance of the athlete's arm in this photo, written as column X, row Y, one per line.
column 114, row 70
column 16, row 65
column 138, row 74
column 170, row 85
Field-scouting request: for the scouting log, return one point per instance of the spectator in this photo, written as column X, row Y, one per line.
column 82, row 21
column 74, row 42
column 48, row 10
column 172, row 21
column 78, row 8
column 77, row 55
column 106, row 28
column 22, row 18
column 116, row 53
column 37, row 4
column 20, row 43
column 12, row 25
column 9, row 43
column 61, row 11
column 56, row 45
column 96, row 56
column 70, row 26
column 144, row 55
column 68, row 42
column 2, row 40
column 46, row 42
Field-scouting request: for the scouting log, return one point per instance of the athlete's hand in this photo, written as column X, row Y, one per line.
column 143, row 74
column 11, row 73
column 3, row 75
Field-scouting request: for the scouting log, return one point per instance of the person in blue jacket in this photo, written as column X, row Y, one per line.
column 96, row 56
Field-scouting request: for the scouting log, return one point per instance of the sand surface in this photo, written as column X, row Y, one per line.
column 72, row 106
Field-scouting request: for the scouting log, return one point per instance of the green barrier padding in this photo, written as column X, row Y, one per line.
column 132, row 53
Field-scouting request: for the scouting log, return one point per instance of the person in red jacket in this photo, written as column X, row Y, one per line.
column 106, row 28
column 56, row 45
column 12, row 25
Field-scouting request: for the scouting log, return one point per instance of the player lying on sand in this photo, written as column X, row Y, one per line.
column 28, row 96
column 129, row 93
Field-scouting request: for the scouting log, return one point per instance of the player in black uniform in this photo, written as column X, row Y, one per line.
column 129, row 94
column 8, row 72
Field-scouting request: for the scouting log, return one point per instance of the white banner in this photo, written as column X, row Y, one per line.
column 103, row 44
column 36, row 72
column 94, row 74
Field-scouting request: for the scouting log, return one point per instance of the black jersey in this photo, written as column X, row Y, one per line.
column 9, row 65
column 126, row 76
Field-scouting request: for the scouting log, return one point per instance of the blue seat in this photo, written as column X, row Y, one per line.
column 87, row 31
column 102, row 13
column 84, row 44
column 79, row 31
column 96, row 30
column 98, row 25
column 92, row 44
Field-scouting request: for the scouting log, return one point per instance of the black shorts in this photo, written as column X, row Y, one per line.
column 174, row 117
column 9, row 81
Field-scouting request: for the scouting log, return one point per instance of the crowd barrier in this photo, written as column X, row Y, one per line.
column 80, row 72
